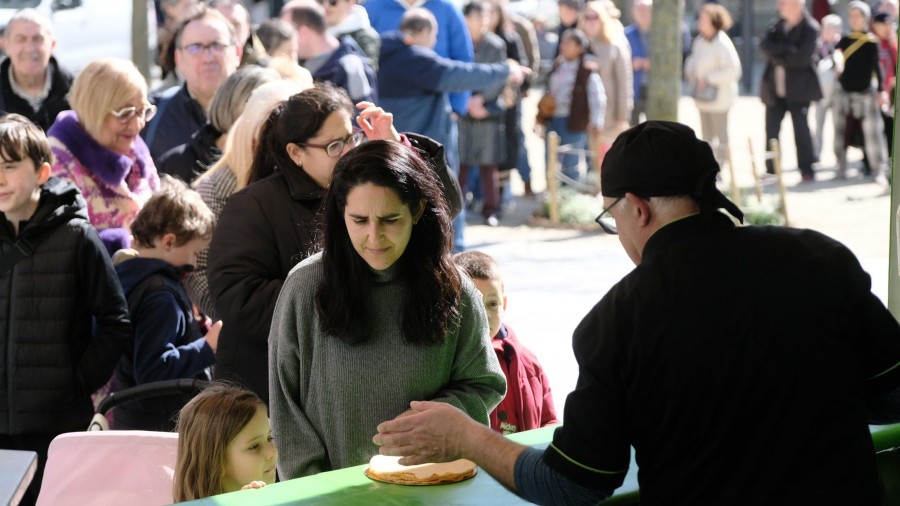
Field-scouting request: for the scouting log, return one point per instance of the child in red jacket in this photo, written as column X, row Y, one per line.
column 528, row 403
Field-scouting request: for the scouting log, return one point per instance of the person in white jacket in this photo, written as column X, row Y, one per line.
column 713, row 70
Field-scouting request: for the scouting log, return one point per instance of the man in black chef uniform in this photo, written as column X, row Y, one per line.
column 743, row 364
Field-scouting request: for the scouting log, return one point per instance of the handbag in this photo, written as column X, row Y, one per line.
column 707, row 94
column 545, row 108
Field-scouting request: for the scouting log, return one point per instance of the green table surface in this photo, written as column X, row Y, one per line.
column 350, row 486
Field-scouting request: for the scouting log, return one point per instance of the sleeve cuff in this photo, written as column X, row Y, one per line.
column 607, row 479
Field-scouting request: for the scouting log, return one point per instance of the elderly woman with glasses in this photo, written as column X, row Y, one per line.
column 97, row 147
column 271, row 225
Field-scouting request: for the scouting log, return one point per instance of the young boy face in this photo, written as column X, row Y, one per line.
column 186, row 254
column 494, row 301
column 20, row 188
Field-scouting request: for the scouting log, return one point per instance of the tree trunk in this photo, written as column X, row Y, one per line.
column 140, row 36
column 664, row 84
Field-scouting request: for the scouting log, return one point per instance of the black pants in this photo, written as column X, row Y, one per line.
column 33, row 442
column 803, row 140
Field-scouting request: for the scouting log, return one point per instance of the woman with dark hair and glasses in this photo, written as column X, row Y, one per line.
column 97, row 146
column 377, row 319
column 270, row 226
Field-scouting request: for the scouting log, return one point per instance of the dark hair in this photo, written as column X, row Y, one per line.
column 273, row 33
column 477, row 265
column 576, row 36
column 20, row 139
column 296, row 120
column 310, row 15
column 431, row 283
column 203, row 11
column 473, row 7
column 719, row 17
column 173, row 209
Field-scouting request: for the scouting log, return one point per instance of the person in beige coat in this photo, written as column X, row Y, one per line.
column 714, row 65
column 613, row 54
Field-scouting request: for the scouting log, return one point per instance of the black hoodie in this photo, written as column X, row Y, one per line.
column 52, row 355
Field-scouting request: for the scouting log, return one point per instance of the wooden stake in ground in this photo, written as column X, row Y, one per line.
column 552, row 160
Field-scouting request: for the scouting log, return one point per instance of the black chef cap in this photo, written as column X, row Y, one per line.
column 664, row 159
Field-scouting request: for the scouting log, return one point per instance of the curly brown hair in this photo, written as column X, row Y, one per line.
column 173, row 209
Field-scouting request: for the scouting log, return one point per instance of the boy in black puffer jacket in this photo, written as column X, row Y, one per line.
column 64, row 318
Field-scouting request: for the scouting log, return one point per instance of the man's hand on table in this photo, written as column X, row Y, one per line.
column 439, row 432
column 433, row 432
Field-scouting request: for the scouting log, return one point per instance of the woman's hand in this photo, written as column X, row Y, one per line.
column 376, row 123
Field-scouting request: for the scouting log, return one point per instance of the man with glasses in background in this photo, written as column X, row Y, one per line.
column 206, row 53
column 339, row 61
column 742, row 364
column 31, row 81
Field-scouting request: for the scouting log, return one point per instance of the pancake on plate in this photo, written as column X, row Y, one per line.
column 388, row 470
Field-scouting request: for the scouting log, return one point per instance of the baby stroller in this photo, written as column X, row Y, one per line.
column 101, row 466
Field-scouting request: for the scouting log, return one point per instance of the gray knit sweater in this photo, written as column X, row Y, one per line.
column 326, row 396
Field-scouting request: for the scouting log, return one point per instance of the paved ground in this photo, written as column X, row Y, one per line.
column 553, row 276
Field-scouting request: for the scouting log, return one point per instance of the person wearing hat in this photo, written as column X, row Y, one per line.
column 742, row 364
column 859, row 97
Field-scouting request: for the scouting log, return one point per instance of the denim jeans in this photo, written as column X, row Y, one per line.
column 575, row 140
column 451, row 151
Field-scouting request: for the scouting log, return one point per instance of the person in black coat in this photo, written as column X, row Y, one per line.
column 64, row 322
column 789, row 82
column 270, row 226
column 32, row 83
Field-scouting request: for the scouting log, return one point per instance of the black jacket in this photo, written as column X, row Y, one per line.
column 187, row 161
column 52, row 360
column 54, row 104
column 796, row 52
column 177, row 118
column 264, row 231
column 167, row 342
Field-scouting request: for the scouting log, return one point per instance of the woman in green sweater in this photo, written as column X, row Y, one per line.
column 379, row 318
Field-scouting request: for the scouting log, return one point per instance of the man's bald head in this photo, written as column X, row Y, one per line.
column 420, row 25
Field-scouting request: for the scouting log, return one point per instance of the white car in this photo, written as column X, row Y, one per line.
column 86, row 29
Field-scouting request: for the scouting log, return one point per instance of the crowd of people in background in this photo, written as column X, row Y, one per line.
column 193, row 223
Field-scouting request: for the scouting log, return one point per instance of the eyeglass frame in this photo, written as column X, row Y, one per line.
column 132, row 109
column 609, row 229
column 344, row 141
column 213, row 47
